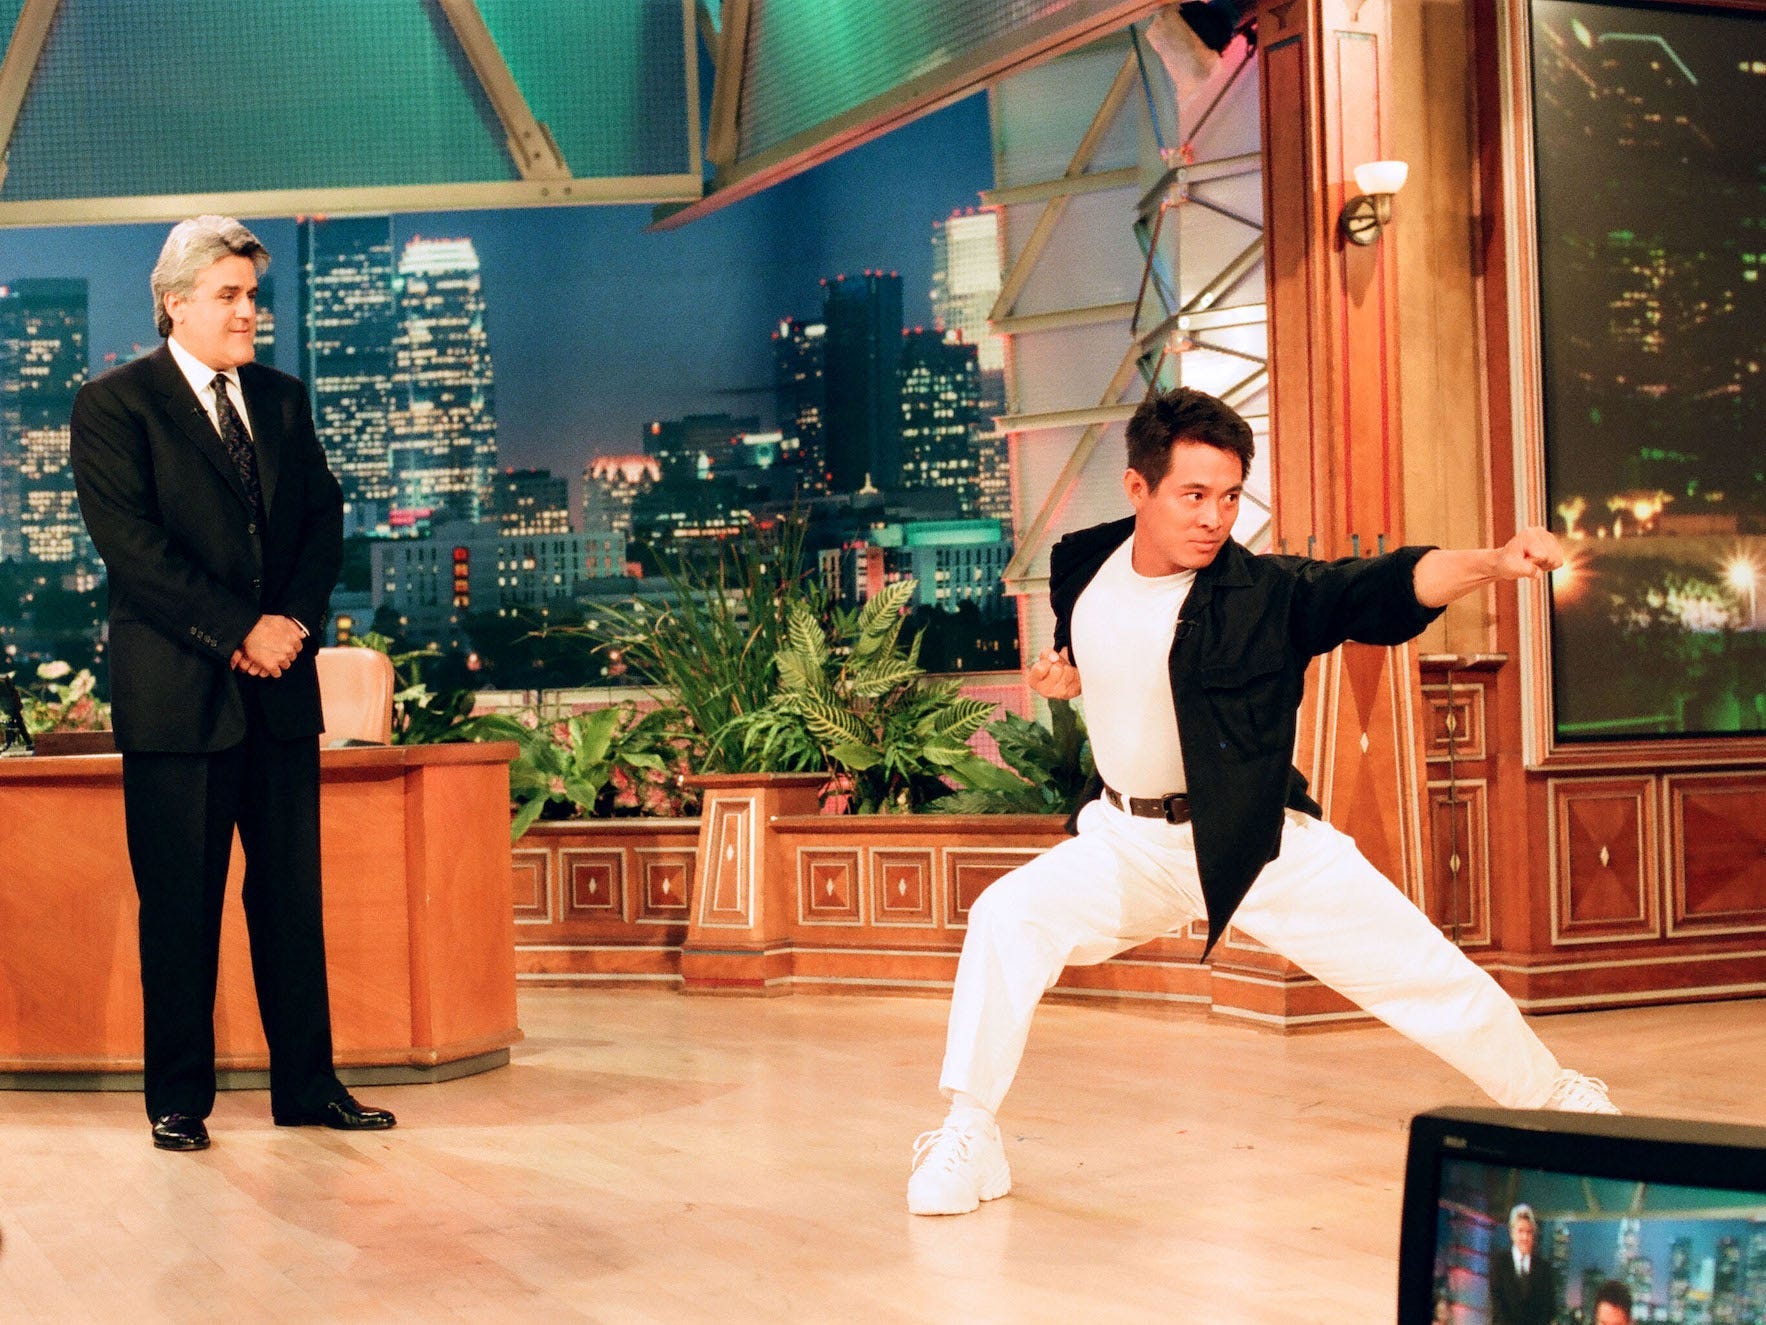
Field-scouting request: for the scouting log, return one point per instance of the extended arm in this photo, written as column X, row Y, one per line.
column 1442, row 575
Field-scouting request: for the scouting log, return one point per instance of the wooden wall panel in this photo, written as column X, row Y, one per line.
column 1605, row 884
column 1457, row 895
column 1717, row 854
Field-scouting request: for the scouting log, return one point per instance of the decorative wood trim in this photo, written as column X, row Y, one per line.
column 665, row 889
column 830, row 886
column 733, row 864
column 903, row 888
column 592, row 883
column 1464, row 709
column 968, row 870
column 1473, row 868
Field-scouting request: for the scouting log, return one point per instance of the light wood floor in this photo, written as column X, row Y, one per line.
column 654, row 1157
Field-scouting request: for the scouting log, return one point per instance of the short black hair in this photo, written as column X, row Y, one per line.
column 1614, row 1294
column 1184, row 414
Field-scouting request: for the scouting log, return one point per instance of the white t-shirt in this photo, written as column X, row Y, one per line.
column 1122, row 629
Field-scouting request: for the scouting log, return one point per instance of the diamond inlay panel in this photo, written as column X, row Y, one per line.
column 1453, row 724
column 828, row 887
column 1717, row 863
column 594, row 884
column 1604, row 879
column 901, row 888
column 730, row 869
column 531, row 876
column 1458, row 887
column 665, row 877
column 968, row 870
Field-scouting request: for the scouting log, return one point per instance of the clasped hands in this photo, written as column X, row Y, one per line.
column 271, row 647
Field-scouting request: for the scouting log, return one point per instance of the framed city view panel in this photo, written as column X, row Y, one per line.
column 1649, row 174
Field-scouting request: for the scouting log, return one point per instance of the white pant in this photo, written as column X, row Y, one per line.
column 1125, row 880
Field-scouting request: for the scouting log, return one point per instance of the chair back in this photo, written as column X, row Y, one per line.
column 355, row 690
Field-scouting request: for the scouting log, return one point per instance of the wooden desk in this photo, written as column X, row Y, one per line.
column 418, row 929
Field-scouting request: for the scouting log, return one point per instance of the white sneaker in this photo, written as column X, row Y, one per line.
column 1574, row 1093
column 957, row 1167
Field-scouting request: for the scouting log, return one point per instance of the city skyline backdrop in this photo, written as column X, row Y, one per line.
column 595, row 327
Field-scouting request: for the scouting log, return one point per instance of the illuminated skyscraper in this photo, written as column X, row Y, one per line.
column 801, row 393
column 348, row 320
column 42, row 366
column 611, row 483
column 940, row 392
column 861, row 364
column 265, row 340
column 966, row 281
column 530, row 501
column 443, row 418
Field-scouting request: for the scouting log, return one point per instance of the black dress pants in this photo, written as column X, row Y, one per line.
column 181, row 811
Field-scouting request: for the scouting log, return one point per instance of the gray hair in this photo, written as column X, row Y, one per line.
column 191, row 249
column 1520, row 1212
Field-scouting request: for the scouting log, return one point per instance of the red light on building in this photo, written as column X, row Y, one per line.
column 462, row 577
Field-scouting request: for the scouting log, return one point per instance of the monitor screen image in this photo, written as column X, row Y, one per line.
column 1517, row 1217
column 1685, row 1254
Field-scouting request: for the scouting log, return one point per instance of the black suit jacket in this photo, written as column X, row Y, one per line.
column 1246, row 633
column 190, row 569
column 1517, row 1302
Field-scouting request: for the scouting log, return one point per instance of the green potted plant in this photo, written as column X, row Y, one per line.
column 63, row 714
column 892, row 735
column 712, row 650
column 1053, row 766
column 606, row 763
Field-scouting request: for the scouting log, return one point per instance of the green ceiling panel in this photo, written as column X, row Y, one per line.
column 211, row 96
column 608, row 77
column 810, row 61
column 143, row 98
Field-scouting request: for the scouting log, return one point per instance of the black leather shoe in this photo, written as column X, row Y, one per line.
column 345, row 1115
column 179, row 1131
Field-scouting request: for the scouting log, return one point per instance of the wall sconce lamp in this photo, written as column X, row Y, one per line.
column 1366, row 215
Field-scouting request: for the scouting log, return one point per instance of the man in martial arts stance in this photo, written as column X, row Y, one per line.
column 1194, row 654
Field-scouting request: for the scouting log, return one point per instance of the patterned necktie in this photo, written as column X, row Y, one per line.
column 238, row 444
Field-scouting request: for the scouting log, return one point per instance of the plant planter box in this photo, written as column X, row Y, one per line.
column 75, row 743
column 603, row 901
column 762, row 895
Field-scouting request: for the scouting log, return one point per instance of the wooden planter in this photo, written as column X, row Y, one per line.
column 603, row 901
column 763, row 895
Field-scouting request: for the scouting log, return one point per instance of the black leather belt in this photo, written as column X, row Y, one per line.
column 1174, row 808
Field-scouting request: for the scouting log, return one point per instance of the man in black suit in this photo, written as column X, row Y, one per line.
column 1522, row 1291
column 206, row 493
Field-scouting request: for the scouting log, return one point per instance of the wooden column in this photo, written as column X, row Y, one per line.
column 1336, row 461
column 738, row 934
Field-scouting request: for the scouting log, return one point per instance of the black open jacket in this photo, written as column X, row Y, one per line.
column 1246, row 634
